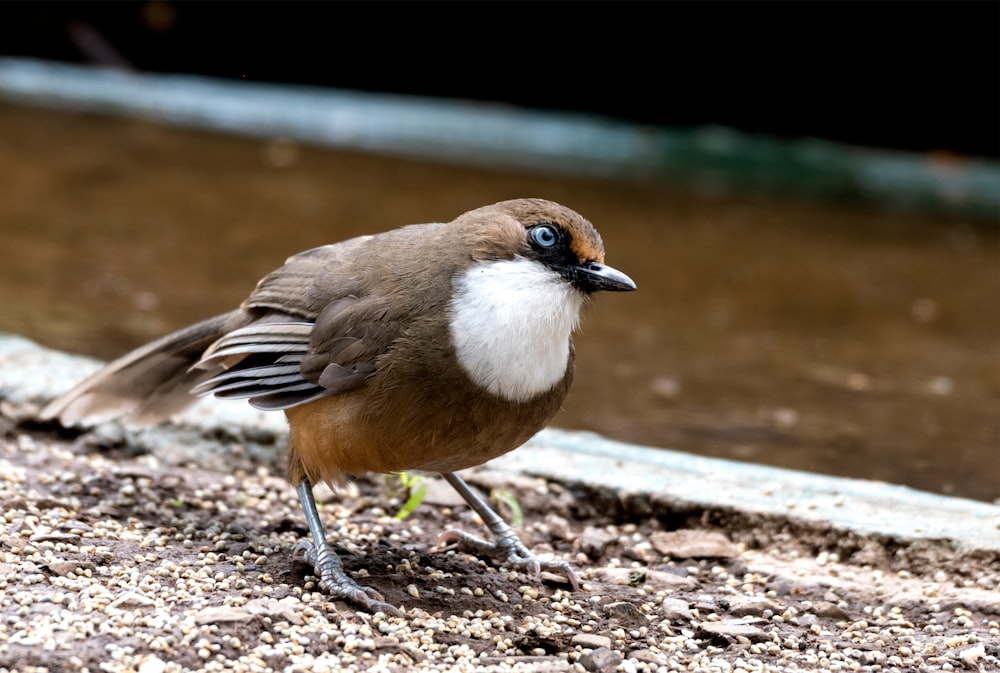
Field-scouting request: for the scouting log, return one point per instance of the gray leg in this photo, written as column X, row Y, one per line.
column 506, row 546
column 328, row 566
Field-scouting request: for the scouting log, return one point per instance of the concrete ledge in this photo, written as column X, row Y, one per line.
column 30, row 375
column 856, row 505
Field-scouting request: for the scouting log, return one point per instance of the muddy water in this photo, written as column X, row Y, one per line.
column 834, row 339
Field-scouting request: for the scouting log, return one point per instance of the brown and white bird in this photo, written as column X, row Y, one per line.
column 431, row 347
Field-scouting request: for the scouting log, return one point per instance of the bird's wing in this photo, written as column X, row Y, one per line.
column 309, row 281
column 317, row 338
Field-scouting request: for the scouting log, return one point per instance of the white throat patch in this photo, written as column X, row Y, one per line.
column 511, row 322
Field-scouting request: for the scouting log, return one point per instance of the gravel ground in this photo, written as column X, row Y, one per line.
column 115, row 562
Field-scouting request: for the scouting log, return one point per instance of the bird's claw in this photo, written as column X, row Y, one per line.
column 509, row 550
column 335, row 582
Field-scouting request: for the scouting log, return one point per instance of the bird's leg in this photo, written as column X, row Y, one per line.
column 328, row 566
column 506, row 546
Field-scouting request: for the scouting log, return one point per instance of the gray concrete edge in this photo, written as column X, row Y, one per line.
column 30, row 375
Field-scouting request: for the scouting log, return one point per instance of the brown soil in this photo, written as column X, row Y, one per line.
column 117, row 562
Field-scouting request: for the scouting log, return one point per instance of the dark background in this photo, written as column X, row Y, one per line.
column 919, row 76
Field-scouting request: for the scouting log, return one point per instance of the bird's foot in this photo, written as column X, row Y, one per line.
column 509, row 550
column 335, row 582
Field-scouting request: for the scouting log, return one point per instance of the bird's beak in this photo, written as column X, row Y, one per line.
column 592, row 276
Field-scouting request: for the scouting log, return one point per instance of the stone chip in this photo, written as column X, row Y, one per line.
column 693, row 544
column 728, row 632
column 591, row 641
column 600, row 660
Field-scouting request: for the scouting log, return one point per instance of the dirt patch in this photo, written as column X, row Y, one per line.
column 120, row 563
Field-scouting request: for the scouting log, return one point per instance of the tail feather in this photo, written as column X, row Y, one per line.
column 149, row 384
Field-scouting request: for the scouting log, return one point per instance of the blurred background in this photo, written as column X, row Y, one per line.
column 806, row 194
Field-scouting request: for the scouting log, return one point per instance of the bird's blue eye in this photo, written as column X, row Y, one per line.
column 544, row 236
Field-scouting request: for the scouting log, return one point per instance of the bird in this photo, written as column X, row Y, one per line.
column 430, row 347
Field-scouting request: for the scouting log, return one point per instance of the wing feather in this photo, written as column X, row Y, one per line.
column 279, row 362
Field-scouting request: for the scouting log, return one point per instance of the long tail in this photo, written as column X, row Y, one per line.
column 149, row 384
